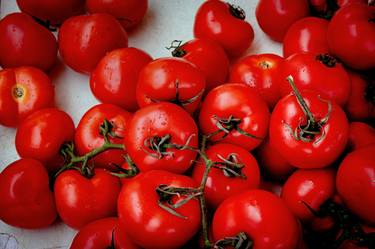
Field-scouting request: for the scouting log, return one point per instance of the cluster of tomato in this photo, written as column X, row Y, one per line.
column 269, row 152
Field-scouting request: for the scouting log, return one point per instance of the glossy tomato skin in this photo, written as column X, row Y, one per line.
column 148, row 224
column 351, row 36
column 114, row 80
column 159, row 120
column 261, row 215
column 360, row 135
column 129, row 12
column 355, row 183
column 80, row 200
column 309, row 71
column 240, row 102
column 215, row 20
column 209, row 57
column 324, row 148
column 308, row 34
column 219, row 186
column 276, row 16
column 88, row 137
column 171, row 79
column 23, row 42
column 261, row 72
column 121, row 238
column 53, row 11
column 41, row 135
column 85, row 39
column 26, row 199
column 23, row 90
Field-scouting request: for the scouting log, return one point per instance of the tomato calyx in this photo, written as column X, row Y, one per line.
column 177, row 50
column 327, row 60
column 126, row 173
column 237, row 11
column 240, row 241
column 47, row 24
column 229, row 124
column 230, row 166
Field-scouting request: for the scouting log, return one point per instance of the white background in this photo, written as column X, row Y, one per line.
column 166, row 20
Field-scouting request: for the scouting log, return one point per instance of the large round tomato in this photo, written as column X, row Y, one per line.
column 23, row 91
column 360, row 135
column 148, row 224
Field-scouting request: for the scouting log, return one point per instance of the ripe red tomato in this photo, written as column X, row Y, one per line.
column 321, row 73
column 261, row 72
column 80, row 200
column 342, row 3
column 114, row 80
column 355, row 183
column 26, row 199
column 148, row 224
column 209, row 57
column 41, row 135
column 23, row 90
column 262, row 216
column 23, row 42
column 150, row 131
column 360, row 135
column 85, row 39
column 351, row 36
column 225, row 23
column 308, row 34
column 121, row 238
column 276, row 16
column 237, row 113
column 222, row 181
column 171, row 79
column 52, row 11
column 128, row 12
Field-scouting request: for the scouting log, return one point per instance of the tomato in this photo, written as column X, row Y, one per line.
column 225, row 23
column 308, row 34
column 237, row 113
column 41, row 135
column 23, row 42
column 342, row 3
column 351, row 36
column 208, row 56
column 85, row 39
column 171, row 79
column 114, row 80
column 261, row 72
column 152, row 129
column 360, row 135
column 321, row 73
column 121, row 238
column 276, row 16
column 26, row 199
column 89, row 137
column 355, row 183
column 80, row 200
column 52, row 11
column 226, row 179
column 129, row 12
column 23, row 90
column 262, row 216
column 148, row 224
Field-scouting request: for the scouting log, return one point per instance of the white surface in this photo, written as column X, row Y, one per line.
column 165, row 21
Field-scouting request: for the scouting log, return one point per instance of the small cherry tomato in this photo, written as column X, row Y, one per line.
column 360, row 135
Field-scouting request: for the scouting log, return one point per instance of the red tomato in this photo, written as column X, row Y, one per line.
column 23, row 42
column 155, row 126
column 225, row 23
column 85, row 39
column 360, row 135
column 209, row 57
column 262, row 216
column 308, row 34
column 238, row 113
column 23, row 90
column 342, row 3
column 80, row 201
column 52, row 11
column 276, row 16
column 88, row 136
column 221, row 182
column 115, row 78
column 321, row 73
column 261, row 72
column 121, row 238
column 128, row 12
column 351, row 36
column 41, row 135
column 148, row 224
column 26, row 199
column 355, row 183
